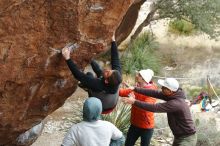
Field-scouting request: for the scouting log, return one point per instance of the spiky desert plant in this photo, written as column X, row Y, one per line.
column 120, row 117
column 140, row 54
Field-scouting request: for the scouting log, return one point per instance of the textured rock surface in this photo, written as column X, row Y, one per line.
column 34, row 80
column 129, row 21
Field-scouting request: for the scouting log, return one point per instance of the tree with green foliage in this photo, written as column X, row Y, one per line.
column 203, row 14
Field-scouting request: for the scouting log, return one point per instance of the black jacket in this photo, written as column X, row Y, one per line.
column 97, row 84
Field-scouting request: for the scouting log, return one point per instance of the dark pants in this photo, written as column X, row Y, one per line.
column 134, row 133
column 90, row 74
column 189, row 140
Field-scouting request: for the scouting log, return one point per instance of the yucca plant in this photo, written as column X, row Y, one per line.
column 140, row 54
column 120, row 117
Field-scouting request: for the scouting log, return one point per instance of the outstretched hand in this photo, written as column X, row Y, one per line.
column 129, row 100
column 66, row 53
column 127, row 85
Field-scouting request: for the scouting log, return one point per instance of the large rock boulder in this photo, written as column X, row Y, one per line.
column 129, row 21
column 34, row 79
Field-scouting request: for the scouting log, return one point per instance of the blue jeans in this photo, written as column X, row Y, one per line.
column 134, row 133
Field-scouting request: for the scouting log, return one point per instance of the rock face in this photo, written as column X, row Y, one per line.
column 34, row 79
column 129, row 21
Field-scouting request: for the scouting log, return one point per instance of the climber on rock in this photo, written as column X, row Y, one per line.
column 105, row 84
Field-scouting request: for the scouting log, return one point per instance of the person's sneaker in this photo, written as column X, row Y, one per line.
column 83, row 87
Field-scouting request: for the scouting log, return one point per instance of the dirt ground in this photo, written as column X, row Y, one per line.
column 59, row 121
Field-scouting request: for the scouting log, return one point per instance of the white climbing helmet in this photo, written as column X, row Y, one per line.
column 146, row 74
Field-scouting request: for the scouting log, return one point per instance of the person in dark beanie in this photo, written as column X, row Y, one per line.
column 114, row 78
column 105, row 84
column 178, row 113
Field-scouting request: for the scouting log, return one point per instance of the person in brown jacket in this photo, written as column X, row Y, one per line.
column 178, row 113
